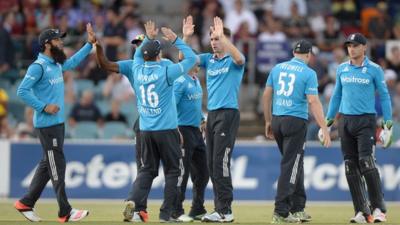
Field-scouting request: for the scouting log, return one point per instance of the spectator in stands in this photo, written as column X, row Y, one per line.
column 18, row 27
column 7, row 50
column 346, row 12
column 379, row 27
column 115, row 114
column 296, row 25
column 394, row 60
column 315, row 7
column 44, row 15
column 338, row 57
column 133, row 27
column 25, row 129
column 322, row 74
column 396, row 30
column 73, row 14
column 117, row 87
column 389, row 75
column 236, row 17
column 6, row 131
column 99, row 25
column 129, row 7
column 270, row 31
column 71, row 31
column 331, row 37
column 114, row 34
column 211, row 10
column 282, row 8
column 85, row 110
column 3, row 103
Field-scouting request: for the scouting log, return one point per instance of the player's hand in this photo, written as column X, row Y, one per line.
column 218, row 28
column 386, row 135
column 203, row 126
column 168, row 34
column 188, row 26
column 268, row 131
column 90, row 33
column 51, row 109
column 151, row 30
column 324, row 136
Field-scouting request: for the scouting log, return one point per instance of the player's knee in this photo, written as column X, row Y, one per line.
column 367, row 163
column 351, row 167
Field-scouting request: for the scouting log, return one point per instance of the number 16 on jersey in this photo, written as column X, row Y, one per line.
column 149, row 96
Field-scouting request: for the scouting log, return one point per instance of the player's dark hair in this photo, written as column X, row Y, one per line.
column 147, row 58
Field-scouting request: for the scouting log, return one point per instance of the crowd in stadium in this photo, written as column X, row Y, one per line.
column 92, row 94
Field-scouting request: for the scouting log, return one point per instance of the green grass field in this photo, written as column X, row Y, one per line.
column 110, row 212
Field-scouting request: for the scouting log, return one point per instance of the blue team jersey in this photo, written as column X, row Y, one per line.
column 44, row 84
column 354, row 92
column 223, row 81
column 291, row 82
column 188, row 96
column 125, row 67
column 153, row 84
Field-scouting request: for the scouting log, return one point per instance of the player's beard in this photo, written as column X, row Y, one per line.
column 57, row 54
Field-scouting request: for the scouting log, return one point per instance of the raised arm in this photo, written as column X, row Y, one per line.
column 218, row 30
column 102, row 60
column 151, row 33
column 77, row 58
column 176, row 70
column 187, row 31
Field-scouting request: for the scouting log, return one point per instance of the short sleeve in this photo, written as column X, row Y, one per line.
column 312, row 85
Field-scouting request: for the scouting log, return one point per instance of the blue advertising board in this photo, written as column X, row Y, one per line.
column 108, row 170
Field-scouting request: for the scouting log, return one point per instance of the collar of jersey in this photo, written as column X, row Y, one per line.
column 298, row 60
column 215, row 57
column 151, row 64
column 364, row 63
column 45, row 57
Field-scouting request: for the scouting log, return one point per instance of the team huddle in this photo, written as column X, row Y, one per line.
column 171, row 123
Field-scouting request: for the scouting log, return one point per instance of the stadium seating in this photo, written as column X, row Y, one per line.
column 85, row 130
column 114, row 130
column 82, row 85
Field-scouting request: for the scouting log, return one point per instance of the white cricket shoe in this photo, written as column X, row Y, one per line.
column 218, row 217
column 379, row 216
column 360, row 218
column 74, row 216
column 28, row 212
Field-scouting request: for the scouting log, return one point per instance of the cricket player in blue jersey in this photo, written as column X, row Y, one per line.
column 357, row 81
column 124, row 67
column 188, row 95
column 291, row 87
column 153, row 83
column 191, row 122
column 43, row 89
column 224, row 71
